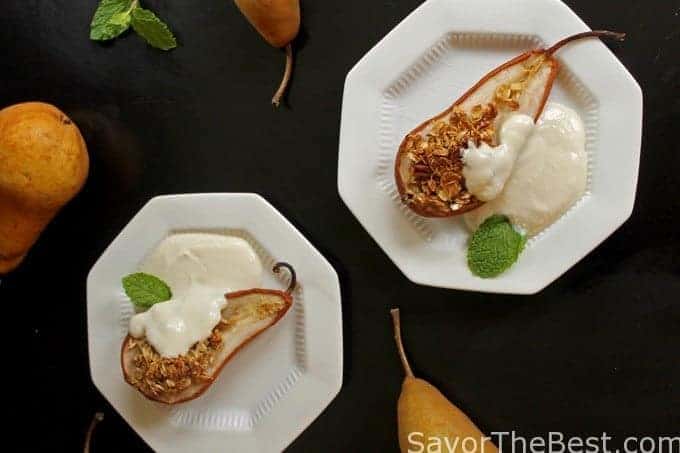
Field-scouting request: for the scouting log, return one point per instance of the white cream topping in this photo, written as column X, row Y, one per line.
column 488, row 168
column 199, row 268
column 549, row 175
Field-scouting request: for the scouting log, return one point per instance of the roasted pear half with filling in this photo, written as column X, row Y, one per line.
column 429, row 162
column 173, row 380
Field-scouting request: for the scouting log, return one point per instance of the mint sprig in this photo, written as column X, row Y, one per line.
column 494, row 247
column 150, row 27
column 110, row 20
column 114, row 17
column 145, row 290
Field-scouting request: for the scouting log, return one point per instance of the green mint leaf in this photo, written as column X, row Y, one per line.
column 152, row 29
column 144, row 290
column 494, row 247
column 123, row 19
column 111, row 18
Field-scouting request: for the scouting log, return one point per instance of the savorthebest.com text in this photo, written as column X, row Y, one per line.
column 553, row 442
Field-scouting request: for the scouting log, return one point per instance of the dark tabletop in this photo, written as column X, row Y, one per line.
column 596, row 351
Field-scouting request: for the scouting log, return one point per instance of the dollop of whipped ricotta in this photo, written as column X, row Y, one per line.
column 549, row 174
column 487, row 168
column 199, row 268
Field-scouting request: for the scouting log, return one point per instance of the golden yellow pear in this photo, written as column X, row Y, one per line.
column 43, row 165
column 427, row 420
column 278, row 21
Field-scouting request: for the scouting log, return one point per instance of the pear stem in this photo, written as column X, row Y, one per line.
column 293, row 277
column 99, row 416
column 396, row 321
column 586, row 34
column 276, row 100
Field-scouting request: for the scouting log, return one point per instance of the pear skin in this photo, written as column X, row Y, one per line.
column 278, row 21
column 43, row 165
column 426, row 418
column 6, row 265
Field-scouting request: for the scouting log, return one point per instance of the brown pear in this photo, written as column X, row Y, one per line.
column 43, row 165
column 173, row 380
column 278, row 21
column 427, row 419
column 429, row 163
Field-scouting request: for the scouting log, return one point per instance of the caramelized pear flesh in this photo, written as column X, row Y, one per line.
column 173, row 380
column 429, row 162
column 425, row 417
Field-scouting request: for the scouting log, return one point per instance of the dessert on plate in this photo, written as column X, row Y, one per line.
column 502, row 156
column 200, row 302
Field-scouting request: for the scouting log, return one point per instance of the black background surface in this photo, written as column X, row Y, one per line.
column 596, row 351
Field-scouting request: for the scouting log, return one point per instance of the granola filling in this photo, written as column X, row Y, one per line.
column 507, row 95
column 437, row 157
column 157, row 375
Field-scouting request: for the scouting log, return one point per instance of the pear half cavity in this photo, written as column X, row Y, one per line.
column 167, row 380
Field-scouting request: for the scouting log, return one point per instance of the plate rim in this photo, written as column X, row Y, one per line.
column 325, row 387
column 360, row 79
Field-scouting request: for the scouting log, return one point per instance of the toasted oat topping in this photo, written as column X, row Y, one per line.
column 170, row 375
column 437, row 160
column 156, row 375
column 508, row 94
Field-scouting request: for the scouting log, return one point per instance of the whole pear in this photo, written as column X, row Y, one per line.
column 43, row 165
column 428, row 421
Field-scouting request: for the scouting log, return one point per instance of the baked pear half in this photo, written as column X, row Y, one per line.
column 173, row 380
column 429, row 163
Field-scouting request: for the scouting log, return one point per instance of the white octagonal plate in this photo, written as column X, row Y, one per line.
column 421, row 67
column 273, row 388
